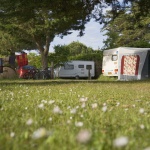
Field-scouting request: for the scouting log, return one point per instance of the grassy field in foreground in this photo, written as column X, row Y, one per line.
column 74, row 115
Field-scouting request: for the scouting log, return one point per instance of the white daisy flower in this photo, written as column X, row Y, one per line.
column 41, row 105
column 118, row 104
column 77, row 107
column 83, row 136
column 104, row 108
column 73, row 111
column 29, row 121
column 83, row 99
column 57, row 110
column 68, row 107
column 79, row 124
column 83, row 105
column 81, row 116
column 44, row 101
column 121, row 141
column 39, row 133
column 12, row 134
column 50, row 119
column 94, row 105
column 104, row 104
column 68, row 121
column 133, row 105
column 141, row 110
column 51, row 102
column 142, row 126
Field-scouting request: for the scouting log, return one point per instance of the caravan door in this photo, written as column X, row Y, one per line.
column 129, row 67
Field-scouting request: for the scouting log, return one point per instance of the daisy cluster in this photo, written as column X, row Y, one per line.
column 44, row 111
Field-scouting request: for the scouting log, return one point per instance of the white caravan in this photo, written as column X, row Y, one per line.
column 77, row 69
column 127, row 63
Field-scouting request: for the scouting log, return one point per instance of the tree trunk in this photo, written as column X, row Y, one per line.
column 44, row 49
column 52, row 70
column 44, row 60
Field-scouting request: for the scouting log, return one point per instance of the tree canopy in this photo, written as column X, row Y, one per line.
column 128, row 29
column 31, row 24
column 39, row 22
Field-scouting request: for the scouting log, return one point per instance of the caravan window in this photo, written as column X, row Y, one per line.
column 68, row 67
column 80, row 66
column 88, row 67
column 114, row 57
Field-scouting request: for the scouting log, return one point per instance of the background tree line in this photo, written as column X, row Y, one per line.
column 131, row 28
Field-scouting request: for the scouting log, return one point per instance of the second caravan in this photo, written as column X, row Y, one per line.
column 77, row 69
column 127, row 63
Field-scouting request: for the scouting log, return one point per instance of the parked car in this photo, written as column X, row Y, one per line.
column 27, row 72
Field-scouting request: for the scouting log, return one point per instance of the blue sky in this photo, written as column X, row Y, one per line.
column 92, row 38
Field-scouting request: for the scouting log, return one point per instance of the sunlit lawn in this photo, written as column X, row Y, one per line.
column 74, row 115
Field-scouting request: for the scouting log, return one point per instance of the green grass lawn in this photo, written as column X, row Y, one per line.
column 74, row 115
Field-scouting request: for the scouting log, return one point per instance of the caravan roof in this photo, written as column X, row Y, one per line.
column 125, row 49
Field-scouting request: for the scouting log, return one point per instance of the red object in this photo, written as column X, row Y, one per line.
column 25, row 59
column 24, row 69
column 22, row 59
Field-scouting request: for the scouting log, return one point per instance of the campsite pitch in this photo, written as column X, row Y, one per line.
column 77, row 115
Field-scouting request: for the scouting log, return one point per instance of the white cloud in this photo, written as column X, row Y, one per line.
column 92, row 38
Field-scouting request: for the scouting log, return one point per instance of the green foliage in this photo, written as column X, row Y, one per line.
column 76, row 48
column 141, row 43
column 74, row 51
column 79, row 51
column 12, row 42
column 60, row 55
column 39, row 22
column 129, row 29
column 110, row 42
column 92, row 56
column 34, row 60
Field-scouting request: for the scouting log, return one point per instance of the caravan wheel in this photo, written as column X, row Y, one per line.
column 76, row 77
